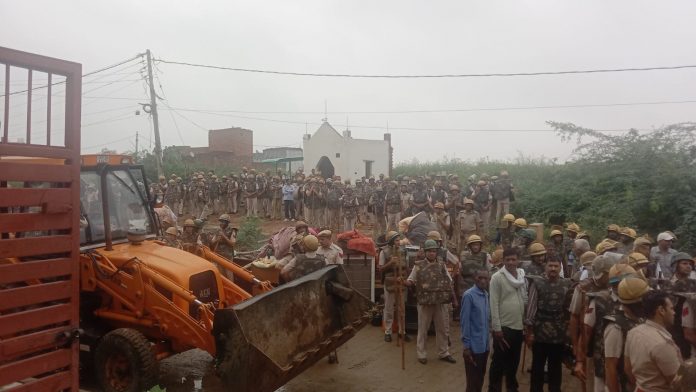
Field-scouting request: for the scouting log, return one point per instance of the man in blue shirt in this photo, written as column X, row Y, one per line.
column 289, row 200
column 474, row 319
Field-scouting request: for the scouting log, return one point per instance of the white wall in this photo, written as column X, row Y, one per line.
column 353, row 153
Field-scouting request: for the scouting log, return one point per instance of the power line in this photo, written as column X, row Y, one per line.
column 472, row 75
column 483, row 109
column 381, row 127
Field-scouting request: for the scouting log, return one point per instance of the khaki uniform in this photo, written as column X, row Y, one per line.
column 653, row 356
column 468, row 223
column 333, row 254
column 433, row 292
column 393, row 207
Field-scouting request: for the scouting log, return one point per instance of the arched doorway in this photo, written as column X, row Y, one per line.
column 325, row 167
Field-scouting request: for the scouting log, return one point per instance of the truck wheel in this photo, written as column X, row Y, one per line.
column 124, row 362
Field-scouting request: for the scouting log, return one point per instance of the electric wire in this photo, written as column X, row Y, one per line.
column 430, row 76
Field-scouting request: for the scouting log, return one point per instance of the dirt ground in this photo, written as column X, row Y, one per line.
column 366, row 363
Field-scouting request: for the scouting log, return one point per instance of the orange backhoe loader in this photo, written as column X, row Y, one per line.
column 142, row 301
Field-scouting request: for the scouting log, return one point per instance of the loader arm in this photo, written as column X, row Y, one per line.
column 241, row 276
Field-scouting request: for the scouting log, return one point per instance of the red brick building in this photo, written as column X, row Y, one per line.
column 226, row 147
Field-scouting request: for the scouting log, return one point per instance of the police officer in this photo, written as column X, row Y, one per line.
column 392, row 205
column 189, row 238
column 171, row 237
column 602, row 303
column 388, row 266
column 224, row 240
column 546, row 325
column 433, row 290
column 505, row 233
column 630, row 291
column 304, row 263
column 535, row 266
column 651, row 356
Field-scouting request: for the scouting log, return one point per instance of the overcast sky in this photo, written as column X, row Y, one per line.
column 370, row 37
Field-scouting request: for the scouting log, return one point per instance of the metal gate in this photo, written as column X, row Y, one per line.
column 39, row 222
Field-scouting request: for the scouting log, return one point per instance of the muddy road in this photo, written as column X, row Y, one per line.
column 366, row 363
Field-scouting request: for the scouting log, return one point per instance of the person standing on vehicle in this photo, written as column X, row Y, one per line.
column 332, row 253
column 433, row 291
column 547, row 325
column 474, row 321
column 508, row 296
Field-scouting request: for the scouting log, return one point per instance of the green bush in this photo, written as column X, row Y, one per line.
column 642, row 180
column 249, row 236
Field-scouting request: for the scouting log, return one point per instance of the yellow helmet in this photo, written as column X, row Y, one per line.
column 605, row 245
column 632, row 289
column 555, row 233
column 628, row 232
column 614, row 227
column 587, row 258
column 583, row 235
column 521, row 222
column 468, row 201
column 311, row 243
column 637, row 260
column 224, row 217
column 509, row 218
column 640, row 241
column 434, row 235
column 189, row 223
column 536, row 249
column 473, row 239
column 573, row 227
column 439, row 205
column 171, row 231
column 620, row 271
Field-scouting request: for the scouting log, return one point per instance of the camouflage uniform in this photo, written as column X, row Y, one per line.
column 305, row 264
column 604, row 305
column 547, row 319
column 433, row 292
column 393, row 207
column 333, row 208
column 222, row 248
column 350, row 206
column 533, row 269
column 470, row 265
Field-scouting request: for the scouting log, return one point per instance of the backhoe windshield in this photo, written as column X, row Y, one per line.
column 128, row 209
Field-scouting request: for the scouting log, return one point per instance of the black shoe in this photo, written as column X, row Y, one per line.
column 387, row 337
column 423, row 360
column 448, row 359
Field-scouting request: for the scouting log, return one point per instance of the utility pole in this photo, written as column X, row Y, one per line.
column 136, row 147
column 155, row 119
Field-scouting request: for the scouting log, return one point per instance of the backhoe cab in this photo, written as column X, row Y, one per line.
column 142, row 301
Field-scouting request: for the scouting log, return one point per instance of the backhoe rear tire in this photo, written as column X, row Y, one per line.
column 124, row 362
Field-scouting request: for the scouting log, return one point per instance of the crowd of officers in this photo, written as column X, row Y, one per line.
column 620, row 315
column 459, row 208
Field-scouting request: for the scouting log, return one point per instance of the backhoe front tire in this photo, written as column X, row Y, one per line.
column 124, row 362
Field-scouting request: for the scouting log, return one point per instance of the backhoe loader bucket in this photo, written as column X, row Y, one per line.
column 264, row 342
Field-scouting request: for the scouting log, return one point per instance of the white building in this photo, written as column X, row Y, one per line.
column 334, row 154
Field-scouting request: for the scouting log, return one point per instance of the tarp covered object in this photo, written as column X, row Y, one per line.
column 357, row 241
column 281, row 241
column 418, row 227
